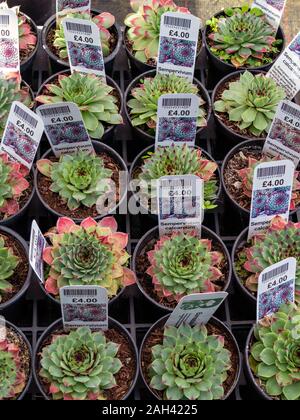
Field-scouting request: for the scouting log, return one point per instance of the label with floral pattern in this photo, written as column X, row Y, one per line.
column 177, row 120
column 22, row 134
column 178, row 45
column 273, row 10
column 276, row 286
column 9, row 43
column 84, row 46
column 84, row 306
column 65, row 128
column 36, row 249
column 64, row 7
column 272, row 194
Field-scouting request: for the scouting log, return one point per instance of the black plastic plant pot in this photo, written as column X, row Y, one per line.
column 38, row 10
column 138, row 162
column 26, row 64
column 58, row 64
column 17, row 331
column 146, row 138
column 225, row 68
column 56, row 326
column 153, row 235
column 229, row 340
column 262, row 395
column 99, row 148
column 23, row 245
column 108, row 134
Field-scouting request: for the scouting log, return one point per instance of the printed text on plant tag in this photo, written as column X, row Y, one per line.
column 273, row 10
column 36, row 249
column 9, row 43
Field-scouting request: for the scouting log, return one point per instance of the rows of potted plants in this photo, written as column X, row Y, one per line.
column 201, row 362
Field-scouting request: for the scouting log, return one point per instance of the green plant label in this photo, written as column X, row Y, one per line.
column 178, row 44
column 196, row 309
column 22, row 134
column 64, row 7
column 283, row 138
column 65, row 128
column 84, row 306
column 9, row 43
column 273, row 9
column 180, row 204
column 177, row 120
column 276, row 286
column 36, row 249
column 271, row 195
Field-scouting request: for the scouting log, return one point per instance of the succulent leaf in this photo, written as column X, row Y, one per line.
column 12, row 378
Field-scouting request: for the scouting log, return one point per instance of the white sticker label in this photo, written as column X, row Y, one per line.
column 84, row 46
column 3, row 331
column 65, row 128
column 276, row 286
column 178, row 44
column 284, row 136
column 177, row 120
column 180, row 204
column 273, row 10
column 286, row 70
column 196, row 309
column 22, row 134
column 84, row 306
column 9, row 42
column 64, row 7
column 36, row 249
column 272, row 194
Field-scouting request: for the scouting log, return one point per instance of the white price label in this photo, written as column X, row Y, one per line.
column 272, row 194
column 22, row 134
column 177, row 120
column 273, row 10
column 84, row 306
column 84, row 46
column 9, row 42
column 276, row 286
column 64, row 7
column 65, row 128
column 196, row 309
column 284, row 136
column 3, row 331
column 36, row 249
column 178, row 44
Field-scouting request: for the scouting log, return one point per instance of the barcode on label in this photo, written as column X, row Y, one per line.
column 4, row 20
column 25, row 116
column 80, row 292
column 271, row 171
column 276, row 272
column 290, row 110
column 176, row 184
column 178, row 22
column 79, row 27
column 58, row 110
column 177, row 102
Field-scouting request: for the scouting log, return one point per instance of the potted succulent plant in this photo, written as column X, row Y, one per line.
column 237, row 177
column 73, row 184
column 54, row 43
column 251, row 258
column 15, row 364
column 171, row 267
column 272, row 355
column 241, row 37
column 88, row 365
column 28, row 37
column 91, row 94
column 245, row 104
column 15, row 271
column 190, row 363
column 90, row 254
column 150, row 165
column 142, row 97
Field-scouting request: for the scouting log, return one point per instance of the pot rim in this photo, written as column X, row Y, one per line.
column 34, row 51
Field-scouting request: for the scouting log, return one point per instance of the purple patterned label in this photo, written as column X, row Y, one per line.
column 271, row 202
column 177, row 52
column 9, row 42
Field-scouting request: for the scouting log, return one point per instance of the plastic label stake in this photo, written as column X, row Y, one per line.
column 273, row 10
column 9, row 43
column 36, row 249
column 64, row 7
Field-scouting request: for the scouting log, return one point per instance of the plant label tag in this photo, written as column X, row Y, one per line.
column 177, row 120
column 84, row 306
column 64, row 7
column 178, row 44
column 9, row 43
column 180, row 204
column 196, row 309
column 286, row 70
column 84, row 46
column 64, row 128
column 272, row 194
column 276, row 286
column 3, row 331
column 22, row 134
column 273, row 10
column 36, row 249
column 284, row 136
